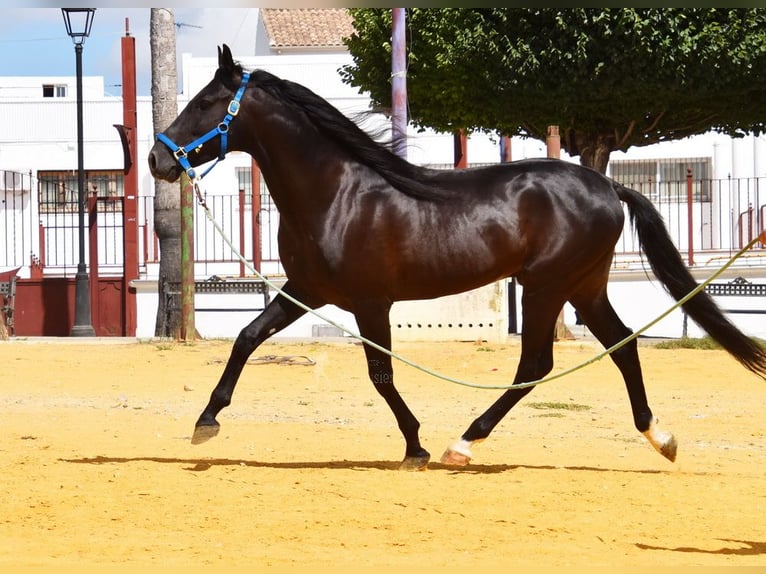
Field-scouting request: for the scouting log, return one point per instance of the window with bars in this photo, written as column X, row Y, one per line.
column 665, row 179
column 58, row 189
column 245, row 183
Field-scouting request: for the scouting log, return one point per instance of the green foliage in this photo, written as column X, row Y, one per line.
column 610, row 78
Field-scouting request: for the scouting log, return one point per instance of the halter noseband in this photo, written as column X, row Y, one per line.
column 222, row 129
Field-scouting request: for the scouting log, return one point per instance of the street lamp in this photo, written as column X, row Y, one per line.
column 78, row 22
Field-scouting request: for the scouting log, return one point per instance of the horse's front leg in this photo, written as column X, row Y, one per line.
column 277, row 315
column 373, row 323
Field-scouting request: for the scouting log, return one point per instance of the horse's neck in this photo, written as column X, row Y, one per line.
column 298, row 174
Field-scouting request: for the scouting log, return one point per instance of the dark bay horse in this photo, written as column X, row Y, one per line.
column 361, row 228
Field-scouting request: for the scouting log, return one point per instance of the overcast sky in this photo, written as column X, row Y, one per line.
column 33, row 41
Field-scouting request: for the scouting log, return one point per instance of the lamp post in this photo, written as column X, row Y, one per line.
column 78, row 22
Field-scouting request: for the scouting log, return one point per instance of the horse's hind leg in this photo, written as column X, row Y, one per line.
column 539, row 313
column 599, row 316
column 279, row 313
column 373, row 322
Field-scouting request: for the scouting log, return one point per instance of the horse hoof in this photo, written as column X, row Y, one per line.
column 669, row 449
column 663, row 441
column 412, row 463
column 204, row 433
column 454, row 458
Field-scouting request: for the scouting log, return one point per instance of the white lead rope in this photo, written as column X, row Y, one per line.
column 519, row 386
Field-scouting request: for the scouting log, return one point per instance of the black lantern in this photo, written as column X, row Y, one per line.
column 78, row 22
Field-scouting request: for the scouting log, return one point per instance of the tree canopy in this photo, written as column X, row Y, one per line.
column 610, row 78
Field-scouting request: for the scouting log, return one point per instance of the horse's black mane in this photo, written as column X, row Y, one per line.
column 406, row 177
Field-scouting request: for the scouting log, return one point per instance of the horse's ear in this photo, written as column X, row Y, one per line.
column 225, row 59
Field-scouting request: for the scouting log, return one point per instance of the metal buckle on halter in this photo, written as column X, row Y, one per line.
column 179, row 153
column 233, row 109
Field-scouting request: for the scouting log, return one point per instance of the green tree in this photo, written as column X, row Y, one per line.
column 610, row 78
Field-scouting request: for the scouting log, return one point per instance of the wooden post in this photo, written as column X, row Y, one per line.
column 553, row 145
column 188, row 330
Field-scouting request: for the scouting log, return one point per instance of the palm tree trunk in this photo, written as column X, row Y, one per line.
column 167, row 196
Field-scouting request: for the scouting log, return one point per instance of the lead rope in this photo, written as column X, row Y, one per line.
column 518, row 386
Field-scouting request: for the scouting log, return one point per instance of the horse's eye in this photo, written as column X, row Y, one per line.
column 204, row 104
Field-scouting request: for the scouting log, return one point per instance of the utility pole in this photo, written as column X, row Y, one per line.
column 399, row 82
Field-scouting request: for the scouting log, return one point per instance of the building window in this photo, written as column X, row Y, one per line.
column 664, row 180
column 245, row 183
column 54, row 91
column 58, row 189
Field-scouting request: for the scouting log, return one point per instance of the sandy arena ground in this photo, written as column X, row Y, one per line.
column 98, row 468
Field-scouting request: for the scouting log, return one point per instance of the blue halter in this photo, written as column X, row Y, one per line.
column 222, row 129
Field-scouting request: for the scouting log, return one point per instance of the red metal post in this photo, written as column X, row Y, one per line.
column 93, row 263
column 553, row 149
column 241, row 231
column 255, row 175
column 41, row 259
column 145, row 228
column 689, row 214
column 130, row 205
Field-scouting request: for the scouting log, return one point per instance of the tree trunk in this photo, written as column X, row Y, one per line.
column 167, row 196
column 3, row 328
column 594, row 151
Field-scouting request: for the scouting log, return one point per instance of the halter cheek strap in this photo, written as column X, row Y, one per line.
column 222, row 129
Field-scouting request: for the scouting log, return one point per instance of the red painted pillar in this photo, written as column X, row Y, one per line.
column 255, row 175
column 241, row 197
column 553, row 142
column 130, row 205
column 553, row 147
column 95, row 292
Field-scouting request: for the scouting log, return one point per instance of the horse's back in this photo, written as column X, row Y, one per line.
column 563, row 217
column 535, row 219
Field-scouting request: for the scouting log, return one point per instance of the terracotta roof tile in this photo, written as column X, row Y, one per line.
column 307, row 27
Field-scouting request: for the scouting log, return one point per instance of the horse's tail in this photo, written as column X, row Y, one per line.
column 670, row 269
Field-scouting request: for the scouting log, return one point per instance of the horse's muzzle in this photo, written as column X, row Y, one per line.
column 162, row 164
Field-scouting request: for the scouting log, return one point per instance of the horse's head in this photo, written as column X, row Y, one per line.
column 202, row 131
